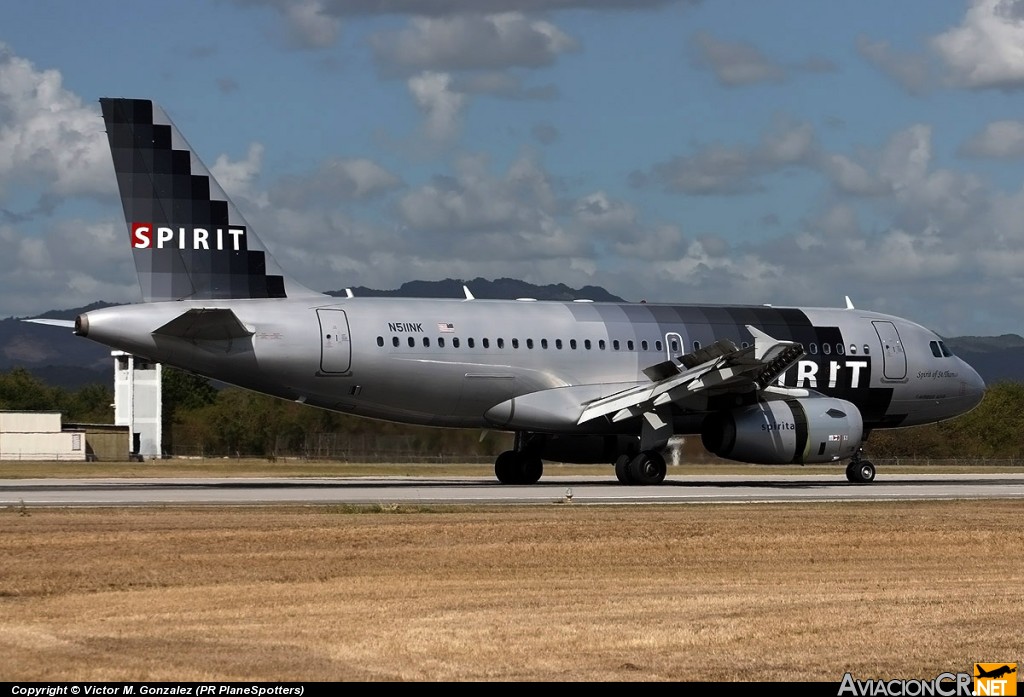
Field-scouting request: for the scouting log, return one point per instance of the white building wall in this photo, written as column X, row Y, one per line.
column 37, row 436
column 29, row 422
column 138, row 400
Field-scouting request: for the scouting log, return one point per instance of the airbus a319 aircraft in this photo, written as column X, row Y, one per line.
column 577, row 382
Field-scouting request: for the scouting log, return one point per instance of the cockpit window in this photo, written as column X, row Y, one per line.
column 934, row 346
column 945, row 351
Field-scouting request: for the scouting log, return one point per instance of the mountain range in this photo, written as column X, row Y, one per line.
column 59, row 358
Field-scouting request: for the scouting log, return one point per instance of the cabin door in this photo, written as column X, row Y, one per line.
column 335, row 344
column 894, row 360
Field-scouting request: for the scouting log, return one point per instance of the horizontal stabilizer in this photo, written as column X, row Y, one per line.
column 205, row 324
column 69, row 323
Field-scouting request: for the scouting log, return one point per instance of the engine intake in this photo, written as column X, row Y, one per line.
column 792, row 431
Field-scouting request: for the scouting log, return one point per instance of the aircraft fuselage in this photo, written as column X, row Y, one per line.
column 455, row 362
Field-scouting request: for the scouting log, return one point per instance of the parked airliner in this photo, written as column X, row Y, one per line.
column 577, row 382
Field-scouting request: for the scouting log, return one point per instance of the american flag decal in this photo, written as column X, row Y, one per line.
column 446, row 327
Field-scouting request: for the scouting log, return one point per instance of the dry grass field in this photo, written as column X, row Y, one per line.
column 559, row 592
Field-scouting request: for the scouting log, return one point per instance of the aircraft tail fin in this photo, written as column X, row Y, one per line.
column 188, row 239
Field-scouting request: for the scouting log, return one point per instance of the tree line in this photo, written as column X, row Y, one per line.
column 200, row 419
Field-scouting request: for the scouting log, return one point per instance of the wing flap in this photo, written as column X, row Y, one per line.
column 720, row 366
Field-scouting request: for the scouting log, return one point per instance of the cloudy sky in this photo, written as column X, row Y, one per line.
column 784, row 152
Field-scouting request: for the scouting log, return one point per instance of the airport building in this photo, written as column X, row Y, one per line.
column 138, row 399
column 136, row 433
column 37, row 435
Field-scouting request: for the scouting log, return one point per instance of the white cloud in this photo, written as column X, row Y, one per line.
column 47, row 135
column 335, row 179
column 471, row 42
column 911, row 70
column 735, row 63
column 238, row 178
column 987, row 49
column 441, row 106
column 309, row 25
column 1000, row 139
column 728, row 170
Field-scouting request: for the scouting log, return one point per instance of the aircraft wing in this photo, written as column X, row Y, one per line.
column 721, row 367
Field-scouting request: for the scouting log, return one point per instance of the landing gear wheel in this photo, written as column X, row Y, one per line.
column 513, row 467
column 530, row 469
column 860, row 472
column 506, row 467
column 647, row 468
column 622, row 470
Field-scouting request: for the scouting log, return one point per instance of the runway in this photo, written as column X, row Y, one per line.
column 485, row 490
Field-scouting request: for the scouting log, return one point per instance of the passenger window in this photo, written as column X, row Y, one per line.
column 853, row 349
column 426, row 342
column 529, row 343
column 657, row 346
column 572, row 344
column 486, row 342
column 839, row 349
column 629, row 345
column 601, row 344
column 615, row 344
column 455, row 342
column 696, row 345
column 867, row 349
column 440, row 341
column 515, row 343
column 470, row 342
column 501, row 343
column 394, row 341
column 826, row 349
column 814, row 349
column 380, row 341
column 543, row 343
column 412, row 342
column 643, row 344
column 558, row 344
column 586, row 344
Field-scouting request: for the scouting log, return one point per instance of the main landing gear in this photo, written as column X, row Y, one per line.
column 518, row 467
column 645, row 468
column 860, row 471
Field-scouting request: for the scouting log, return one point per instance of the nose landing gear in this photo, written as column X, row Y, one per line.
column 860, row 471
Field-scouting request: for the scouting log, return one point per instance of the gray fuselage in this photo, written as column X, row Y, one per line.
column 475, row 363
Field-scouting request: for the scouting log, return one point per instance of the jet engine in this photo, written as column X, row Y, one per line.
column 804, row 430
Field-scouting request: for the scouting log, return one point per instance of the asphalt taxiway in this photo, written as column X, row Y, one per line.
column 485, row 490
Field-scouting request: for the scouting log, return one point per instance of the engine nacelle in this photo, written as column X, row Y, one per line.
column 809, row 429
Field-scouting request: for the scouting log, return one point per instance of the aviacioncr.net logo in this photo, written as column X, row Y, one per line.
column 995, row 679
column 943, row 685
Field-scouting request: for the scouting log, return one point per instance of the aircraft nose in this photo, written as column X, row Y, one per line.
column 972, row 386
